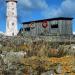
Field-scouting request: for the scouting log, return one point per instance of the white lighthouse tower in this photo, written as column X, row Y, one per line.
column 11, row 21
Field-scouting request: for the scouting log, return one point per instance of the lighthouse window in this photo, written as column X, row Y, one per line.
column 12, row 8
column 13, row 34
column 12, row 3
column 12, row 13
column 12, row 23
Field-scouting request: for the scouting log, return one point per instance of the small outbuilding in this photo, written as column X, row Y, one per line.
column 52, row 26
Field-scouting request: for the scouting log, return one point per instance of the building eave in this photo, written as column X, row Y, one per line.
column 11, row 1
column 50, row 19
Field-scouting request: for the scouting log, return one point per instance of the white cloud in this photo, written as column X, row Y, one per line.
column 33, row 4
column 26, row 8
column 26, row 3
column 74, row 33
column 66, row 8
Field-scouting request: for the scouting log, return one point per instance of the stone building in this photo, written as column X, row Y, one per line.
column 53, row 27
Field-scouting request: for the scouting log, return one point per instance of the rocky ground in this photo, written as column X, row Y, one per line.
column 35, row 56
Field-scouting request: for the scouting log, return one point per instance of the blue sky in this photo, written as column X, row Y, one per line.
column 39, row 9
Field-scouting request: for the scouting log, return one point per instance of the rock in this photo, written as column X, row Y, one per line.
column 19, row 73
column 35, row 73
column 51, row 72
column 73, row 69
column 67, row 73
column 59, row 69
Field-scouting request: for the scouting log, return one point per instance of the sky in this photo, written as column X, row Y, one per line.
column 29, row 10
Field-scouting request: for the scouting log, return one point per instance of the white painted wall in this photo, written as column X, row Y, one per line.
column 11, row 22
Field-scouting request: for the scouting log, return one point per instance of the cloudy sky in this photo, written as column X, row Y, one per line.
column 39, row 9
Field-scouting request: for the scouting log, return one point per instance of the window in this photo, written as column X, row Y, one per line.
column 12, row 8
column 12, row 13
column 13, row 34
column 54, row 26
column 12, row 3
column 12, row 23
column 27, row 29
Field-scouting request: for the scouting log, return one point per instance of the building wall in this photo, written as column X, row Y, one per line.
column 62, row 27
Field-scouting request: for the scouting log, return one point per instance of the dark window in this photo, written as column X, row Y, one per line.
column 13, row 34
column 12, row 8
column 12, row 23
column 12, row 3
column 27, row 29
column 12, row 13
column 54, row 26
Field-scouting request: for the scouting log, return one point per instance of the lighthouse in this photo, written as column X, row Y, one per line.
column 11, row 18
